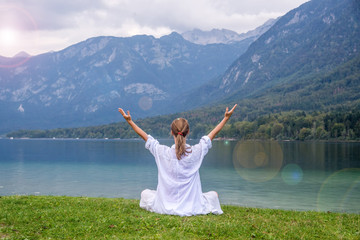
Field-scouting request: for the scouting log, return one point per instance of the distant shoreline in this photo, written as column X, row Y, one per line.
column 215, row 139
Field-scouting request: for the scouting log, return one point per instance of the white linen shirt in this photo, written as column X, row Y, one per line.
column 179, row 188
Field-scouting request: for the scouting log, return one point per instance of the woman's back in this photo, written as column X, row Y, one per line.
column 179, row 187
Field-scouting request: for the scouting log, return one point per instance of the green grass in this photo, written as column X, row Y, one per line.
column 45, row 217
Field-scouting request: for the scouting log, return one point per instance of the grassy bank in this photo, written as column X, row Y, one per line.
column 44, row 217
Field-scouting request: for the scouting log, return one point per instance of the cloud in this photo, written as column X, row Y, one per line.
column 61, row 23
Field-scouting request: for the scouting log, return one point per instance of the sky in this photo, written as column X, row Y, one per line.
column 39, row 26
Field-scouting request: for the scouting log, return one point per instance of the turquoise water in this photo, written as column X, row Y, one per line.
column 282, row 175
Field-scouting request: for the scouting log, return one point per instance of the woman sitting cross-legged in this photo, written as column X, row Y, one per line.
column 179, row 188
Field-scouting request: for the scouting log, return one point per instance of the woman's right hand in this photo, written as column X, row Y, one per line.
column 126, row 116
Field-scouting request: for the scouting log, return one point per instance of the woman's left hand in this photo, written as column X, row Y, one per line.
column 229, row 113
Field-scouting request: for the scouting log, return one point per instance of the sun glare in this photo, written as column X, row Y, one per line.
column 8, row 37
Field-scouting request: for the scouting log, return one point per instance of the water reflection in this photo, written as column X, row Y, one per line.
column 340, row 191
column 257, row 161
column 312, row 175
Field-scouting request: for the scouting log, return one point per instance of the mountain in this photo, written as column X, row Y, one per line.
column 299, row 80
column 305, row 61
column 278, row 114
column 22, row 54
column 305, row 44
column 225, row 36
column 85, row 83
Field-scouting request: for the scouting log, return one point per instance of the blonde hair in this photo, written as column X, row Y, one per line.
column 180, row 128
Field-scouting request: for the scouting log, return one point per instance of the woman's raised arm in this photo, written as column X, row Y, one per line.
column 218, row 128
column 136, row 128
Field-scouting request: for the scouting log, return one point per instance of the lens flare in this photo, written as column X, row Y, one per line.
column 292, row 174
column 351, row 200
column 15, row 26
column 257, row 161
column 339, row 192
column 145, row 103
column 8, row 37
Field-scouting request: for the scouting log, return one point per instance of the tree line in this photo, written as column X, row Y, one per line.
column 292, row 125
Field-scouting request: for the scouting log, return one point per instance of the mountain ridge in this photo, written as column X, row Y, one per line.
column 225, row 36
column 313, row 38
column 84, row 84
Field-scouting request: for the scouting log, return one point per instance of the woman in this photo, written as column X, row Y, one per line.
column 179, row 187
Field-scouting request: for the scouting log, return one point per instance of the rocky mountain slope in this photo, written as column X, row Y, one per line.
column 306, row 43
column 225, row 36
column 84, row 84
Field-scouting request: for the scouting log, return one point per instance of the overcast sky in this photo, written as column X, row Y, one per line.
column 38, row 26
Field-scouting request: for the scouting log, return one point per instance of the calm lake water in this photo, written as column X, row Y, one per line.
column 285, row 175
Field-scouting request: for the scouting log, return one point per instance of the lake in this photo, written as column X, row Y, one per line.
column 319, row 176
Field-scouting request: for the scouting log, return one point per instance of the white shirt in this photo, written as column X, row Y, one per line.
column 179, row 188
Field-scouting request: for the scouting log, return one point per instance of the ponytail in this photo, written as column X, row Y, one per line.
column 180, row 128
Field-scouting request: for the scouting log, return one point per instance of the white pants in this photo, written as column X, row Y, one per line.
column 212, row 198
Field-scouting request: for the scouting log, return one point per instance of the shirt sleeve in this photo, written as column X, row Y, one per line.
column 151, row 144
column 206, row 144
